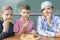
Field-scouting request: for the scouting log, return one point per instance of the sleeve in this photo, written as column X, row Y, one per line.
column 57, row 20
column 16, row 27
column 3, row 35
column 41, row 31
column 33, row 27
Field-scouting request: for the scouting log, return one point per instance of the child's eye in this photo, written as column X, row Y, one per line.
column 27, row 12
column 11, row 14
column 24, row 12
column 43, row 9
column 48, row 8
column 7, row 14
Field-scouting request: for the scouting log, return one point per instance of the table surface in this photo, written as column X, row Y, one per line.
column 50, row 38
column 13, row 38
column 42, row 38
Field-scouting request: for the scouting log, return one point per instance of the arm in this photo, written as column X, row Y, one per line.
column 41, row 31
column 16, row 28
column 3, row 35
column 58, row 23
column 33, row 31
column 3, row 32
column 57, row 26
column 24, row 27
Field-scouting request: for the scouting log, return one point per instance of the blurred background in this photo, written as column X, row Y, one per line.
column 34, row 4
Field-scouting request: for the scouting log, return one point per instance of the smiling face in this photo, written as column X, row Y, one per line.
column 7, row 15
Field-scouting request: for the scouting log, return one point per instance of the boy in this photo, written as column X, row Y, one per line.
column 24, row 25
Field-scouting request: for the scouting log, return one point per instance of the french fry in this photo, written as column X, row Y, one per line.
column 25, row 19
column 27, row 36
column 9, row 20
column 47, row 14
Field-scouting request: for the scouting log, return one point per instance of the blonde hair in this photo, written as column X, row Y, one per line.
column 4, row 8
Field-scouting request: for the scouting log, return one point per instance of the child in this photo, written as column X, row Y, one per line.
column 6, row 27
column 48, row 24
column 24, row 24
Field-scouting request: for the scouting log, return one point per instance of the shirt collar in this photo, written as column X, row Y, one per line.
column 23, row 20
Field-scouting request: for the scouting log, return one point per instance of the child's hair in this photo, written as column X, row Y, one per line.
column 25, row 6
column 6, row 8
column 50, row 6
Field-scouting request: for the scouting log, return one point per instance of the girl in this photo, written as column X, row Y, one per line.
column 6, row 27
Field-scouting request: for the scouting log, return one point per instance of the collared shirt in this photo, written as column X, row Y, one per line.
column 18, row 26
column 44, row 29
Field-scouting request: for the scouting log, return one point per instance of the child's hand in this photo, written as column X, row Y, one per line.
column 33, row 32
column 5, row 26
column 25, row 25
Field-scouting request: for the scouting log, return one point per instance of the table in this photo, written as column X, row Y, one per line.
column 49, row 38
column 42, row 38
column 13, row 38
column 17, row 38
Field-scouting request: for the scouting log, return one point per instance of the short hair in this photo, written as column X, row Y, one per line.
column 25, row 6
column 4, row 8
column 50, row 6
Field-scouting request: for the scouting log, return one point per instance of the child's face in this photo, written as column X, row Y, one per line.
column 25, row 13
column 7, row 15
column 47, row 11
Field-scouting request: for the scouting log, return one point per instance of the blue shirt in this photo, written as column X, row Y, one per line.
column 44, row 29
